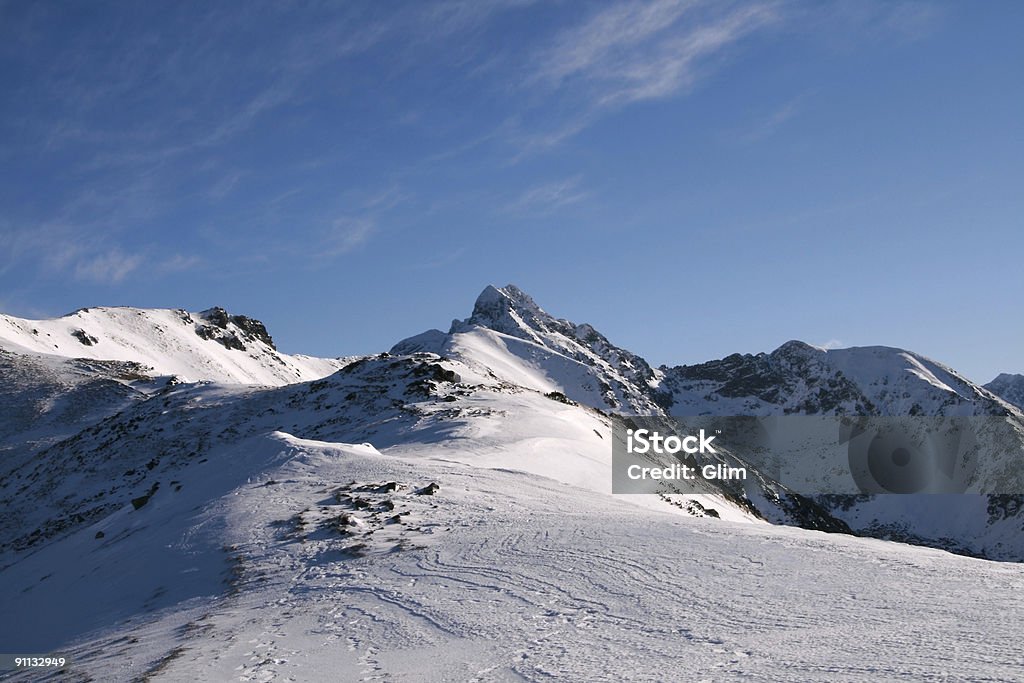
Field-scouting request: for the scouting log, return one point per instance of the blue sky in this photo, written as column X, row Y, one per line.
column 693, row 178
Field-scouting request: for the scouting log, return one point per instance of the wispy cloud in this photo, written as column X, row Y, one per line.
column 69, row 252
column 614, row 34
column 549, row 196
column 50, row 245
column 539, row 141
column 644, row 50
column 136, row 124
column 108, row 268
column 851, row 25
column 346, row 234
column 176, row 263
column 636, row 51
column 381, row 200
column 769, row 123
column 184, row 126
column 347, row 225
column 358, row 222
column 223, row 187
column 832, row 344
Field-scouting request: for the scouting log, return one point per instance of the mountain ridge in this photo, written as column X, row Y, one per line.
column 1009, row 387
column 508, row 358
column 211, row 345
column 143, row 516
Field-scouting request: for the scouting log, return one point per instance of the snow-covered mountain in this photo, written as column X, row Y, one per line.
column 1008, row 387
column 512, row 339
column 212, row 345
column 803, row 379
column 59, row 378
column 377, row 512
column 417, row 404
column 516, row 341
column 496, row 379
column 510, row 335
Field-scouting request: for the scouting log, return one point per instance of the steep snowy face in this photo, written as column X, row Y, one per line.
column 209, row 346
column 517, row 341
column 801, row 379
column 1008, row 387
column 511, row 311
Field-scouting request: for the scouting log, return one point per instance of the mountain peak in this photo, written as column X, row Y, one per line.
column 494, row 303
column 509, row 310
column 212, row 345
column 795, row 347
column 1008, row 387
column 509, row 334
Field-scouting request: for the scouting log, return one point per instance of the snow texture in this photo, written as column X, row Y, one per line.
column 177, row 508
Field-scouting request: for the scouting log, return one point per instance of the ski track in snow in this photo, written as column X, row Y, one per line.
column 504, row 576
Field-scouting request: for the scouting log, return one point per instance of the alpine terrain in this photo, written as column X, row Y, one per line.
column 183, row 502
column 1008, row 387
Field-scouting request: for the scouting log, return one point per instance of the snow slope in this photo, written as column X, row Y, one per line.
column 311, row 561
column 1008, row 387
column 512, row 378
column 511, row 339
column 44, row 399
column 246, row 529
column 514, row 339
column 418, row 405
column 211, row 345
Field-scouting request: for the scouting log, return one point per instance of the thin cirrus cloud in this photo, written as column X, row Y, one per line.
column 178, row 263
column 109, row 267
column 610, row 34
column 632, row 52
column 769, row 124
column 346, row 234
column 200, row 94
column 183, row 120
column 356, row 226
column 549, row 196
column 65, row 250
column 113, row 265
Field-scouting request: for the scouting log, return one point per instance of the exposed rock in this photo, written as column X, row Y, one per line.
column 84, row 337
column 143, row 499
column 428, row 490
